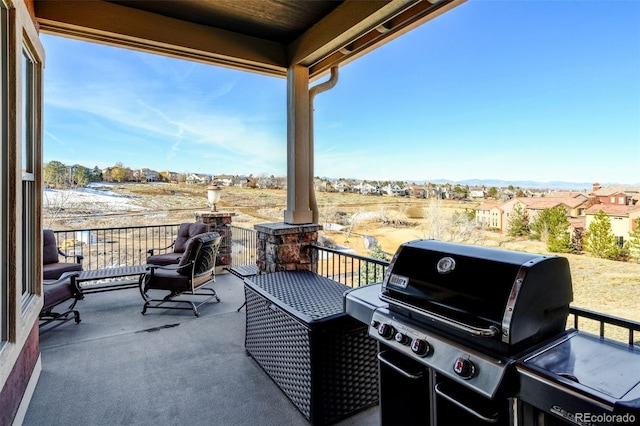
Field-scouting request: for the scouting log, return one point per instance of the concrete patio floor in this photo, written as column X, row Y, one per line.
column 118, row 367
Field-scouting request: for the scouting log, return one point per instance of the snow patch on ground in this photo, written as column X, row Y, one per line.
column 92, row 198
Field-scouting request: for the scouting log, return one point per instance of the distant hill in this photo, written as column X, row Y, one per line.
column 525, row 184
column 529, row 184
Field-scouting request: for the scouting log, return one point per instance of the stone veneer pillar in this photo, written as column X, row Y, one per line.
column 282, row 247
column 218, row 222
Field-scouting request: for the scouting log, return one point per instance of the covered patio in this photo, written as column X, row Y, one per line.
column 165, row 368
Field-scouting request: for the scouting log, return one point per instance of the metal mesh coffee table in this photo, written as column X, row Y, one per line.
column 122, row 277
column 297, row 331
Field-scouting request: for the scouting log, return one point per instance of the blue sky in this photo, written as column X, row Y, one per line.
column 512, row 90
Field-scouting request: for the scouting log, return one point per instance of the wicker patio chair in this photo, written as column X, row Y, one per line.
column 189, row 277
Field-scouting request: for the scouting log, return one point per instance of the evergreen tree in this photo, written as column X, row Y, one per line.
column 81, row 176
column 600, row 239
column 633, row 244
column 54, row 173
column 552, row 227
column 372, row 273
column 518, row 225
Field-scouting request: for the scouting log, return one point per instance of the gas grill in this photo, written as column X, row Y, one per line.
column 455, row 321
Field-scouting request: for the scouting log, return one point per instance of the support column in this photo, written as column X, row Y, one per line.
column 218, row 222
column 299, row 168
column 283, row 247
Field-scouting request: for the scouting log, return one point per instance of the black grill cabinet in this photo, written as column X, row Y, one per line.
column 297, row 331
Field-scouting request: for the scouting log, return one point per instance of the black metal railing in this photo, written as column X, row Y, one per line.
column 347, row 268
column 244, row 246
column 607, row 325
column 113, row 247
column 128, row 246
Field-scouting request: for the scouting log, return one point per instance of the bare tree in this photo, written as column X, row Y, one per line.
column 354, row 220
column 436, row 224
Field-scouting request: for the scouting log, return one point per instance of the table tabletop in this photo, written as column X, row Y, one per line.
column 121, row 271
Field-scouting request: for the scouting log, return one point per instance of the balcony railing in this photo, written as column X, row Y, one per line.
column 347, row 268
column 113, row 247
column 244, row 248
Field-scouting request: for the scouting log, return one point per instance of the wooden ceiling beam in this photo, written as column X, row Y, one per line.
column 121, row 26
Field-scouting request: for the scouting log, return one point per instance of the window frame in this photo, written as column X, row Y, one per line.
column 31, row 78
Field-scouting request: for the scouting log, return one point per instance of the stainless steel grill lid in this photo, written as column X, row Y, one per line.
column 506, row 295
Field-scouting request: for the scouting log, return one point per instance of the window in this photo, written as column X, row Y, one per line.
column 30, row 81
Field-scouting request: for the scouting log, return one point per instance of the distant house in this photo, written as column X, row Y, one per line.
column 170, row 176
column 616, row 194
column 241, row 181
column 201, row 179
column 477, row 193
column 341, row 186
column 533, row 206
column 622, row 218
column 489, row 215
column 146, row 175
column 395, row 190
column 367, row 188
column 224, row 180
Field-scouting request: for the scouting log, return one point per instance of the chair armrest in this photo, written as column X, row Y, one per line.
column 172, row 267
column 77, row 291
column 78, row 257
column 151, row 250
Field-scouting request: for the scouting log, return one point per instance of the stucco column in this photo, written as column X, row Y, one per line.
column 299, row 168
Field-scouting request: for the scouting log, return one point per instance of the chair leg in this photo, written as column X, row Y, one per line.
column 170, row 298
column 48, row 316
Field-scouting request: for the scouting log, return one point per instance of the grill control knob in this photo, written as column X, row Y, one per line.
column 403, row 339
column 386, row 330
column 420, row 347
column 464, row 368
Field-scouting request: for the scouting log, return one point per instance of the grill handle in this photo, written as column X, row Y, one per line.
column 451, row 399
column 400, row 370
column 491, row 331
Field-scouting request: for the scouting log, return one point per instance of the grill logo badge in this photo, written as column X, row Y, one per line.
column 398, row 281
column 446, row 265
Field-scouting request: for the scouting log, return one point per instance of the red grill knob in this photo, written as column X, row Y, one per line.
column 420, row 347
column 386, row 330
column 464, row 368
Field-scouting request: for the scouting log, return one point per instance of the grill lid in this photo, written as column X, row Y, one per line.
column 512, row 296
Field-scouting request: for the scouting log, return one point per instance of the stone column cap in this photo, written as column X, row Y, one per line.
column 281, row 228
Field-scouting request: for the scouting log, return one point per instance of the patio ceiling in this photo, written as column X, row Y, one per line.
column 265, row 36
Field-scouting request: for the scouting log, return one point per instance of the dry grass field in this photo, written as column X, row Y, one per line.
column 600, row 285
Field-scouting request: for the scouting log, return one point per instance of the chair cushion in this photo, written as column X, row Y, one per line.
column 57, row 292
column 186, row 231
column 50, row 247
column 53, row 271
